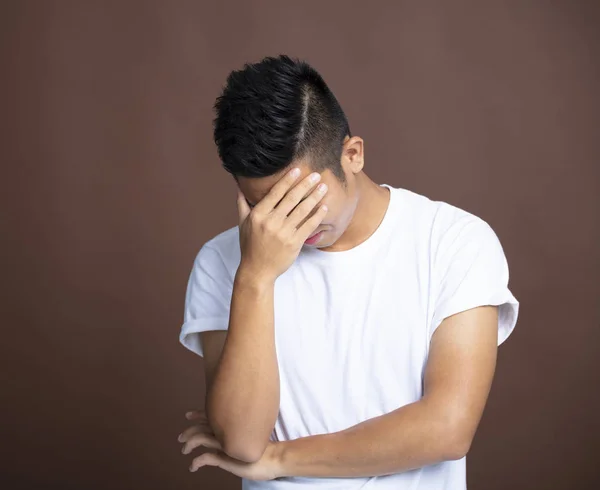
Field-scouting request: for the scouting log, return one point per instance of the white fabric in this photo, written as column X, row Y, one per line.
column 353, row 327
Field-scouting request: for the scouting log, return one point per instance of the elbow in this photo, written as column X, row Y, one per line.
column 238, row 446
column 457, row 443
column 244, row 451
column 456, row 450
column 235, row 439
column 455, row 435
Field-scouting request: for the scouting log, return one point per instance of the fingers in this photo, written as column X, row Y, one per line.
column 311, row 224
column 303, row 210
column 277, row 192
column 200, row 438
column 195, row 415
column 293, row 197
column 243, row 208
column 209, row 459
column 195, row 429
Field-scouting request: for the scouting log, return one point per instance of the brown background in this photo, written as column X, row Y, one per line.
column 112, row 184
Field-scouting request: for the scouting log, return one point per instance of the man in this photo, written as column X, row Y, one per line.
column 349, row 331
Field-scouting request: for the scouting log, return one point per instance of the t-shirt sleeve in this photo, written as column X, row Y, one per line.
column 471, row 270
column 207, row 298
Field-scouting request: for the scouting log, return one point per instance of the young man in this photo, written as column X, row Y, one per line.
column 349, row 333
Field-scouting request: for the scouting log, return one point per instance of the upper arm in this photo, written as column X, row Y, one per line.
column 459, row 371
column 207, row 304
column 212, row 345
column 473, row 311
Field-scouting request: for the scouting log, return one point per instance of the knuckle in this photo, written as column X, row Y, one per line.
column 315, row 219
column 271, row 227
column 309, row 182
column 315, row 198
column 281, row 188
column 305, row 208
column 300, row 191
column 195, row 441
column 189, row 432
column 283, row 236
column 290, row 245
column 290, row 240
column 310, row 203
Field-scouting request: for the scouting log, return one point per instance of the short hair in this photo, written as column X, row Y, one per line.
column 277, row 111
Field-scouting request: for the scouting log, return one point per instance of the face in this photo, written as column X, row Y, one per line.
column 341, row 200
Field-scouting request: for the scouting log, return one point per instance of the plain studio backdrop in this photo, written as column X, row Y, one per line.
column 111, row 183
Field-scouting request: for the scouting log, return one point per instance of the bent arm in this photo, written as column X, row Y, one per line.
column 242, row 399
column 438, row 427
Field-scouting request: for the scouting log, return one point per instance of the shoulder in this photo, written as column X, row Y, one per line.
column 226, row 242
column 461, row 240
column 440, row 224
column 453, row 223
column 437, row 217
column 221, row 251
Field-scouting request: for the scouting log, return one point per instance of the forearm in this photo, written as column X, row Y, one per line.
column 243, row 401
column 413, row 436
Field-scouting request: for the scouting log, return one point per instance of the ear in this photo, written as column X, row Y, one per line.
column 353, row 154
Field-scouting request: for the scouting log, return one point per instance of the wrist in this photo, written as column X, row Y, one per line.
column 249, row 277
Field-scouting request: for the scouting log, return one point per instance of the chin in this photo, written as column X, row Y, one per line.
column 324, row 244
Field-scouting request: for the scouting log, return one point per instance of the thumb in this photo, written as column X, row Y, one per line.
column 242, row 204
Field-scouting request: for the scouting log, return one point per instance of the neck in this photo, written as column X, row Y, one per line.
column 372, row 204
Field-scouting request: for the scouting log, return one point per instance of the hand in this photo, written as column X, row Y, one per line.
column 273, row 232
column 266, row 468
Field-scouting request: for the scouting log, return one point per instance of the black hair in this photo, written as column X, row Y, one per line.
column 274, row 112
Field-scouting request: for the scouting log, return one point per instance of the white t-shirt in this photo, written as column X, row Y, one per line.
column 353, row 328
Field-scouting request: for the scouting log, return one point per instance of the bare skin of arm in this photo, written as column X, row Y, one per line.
column 438, row 427
column 242, row 377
